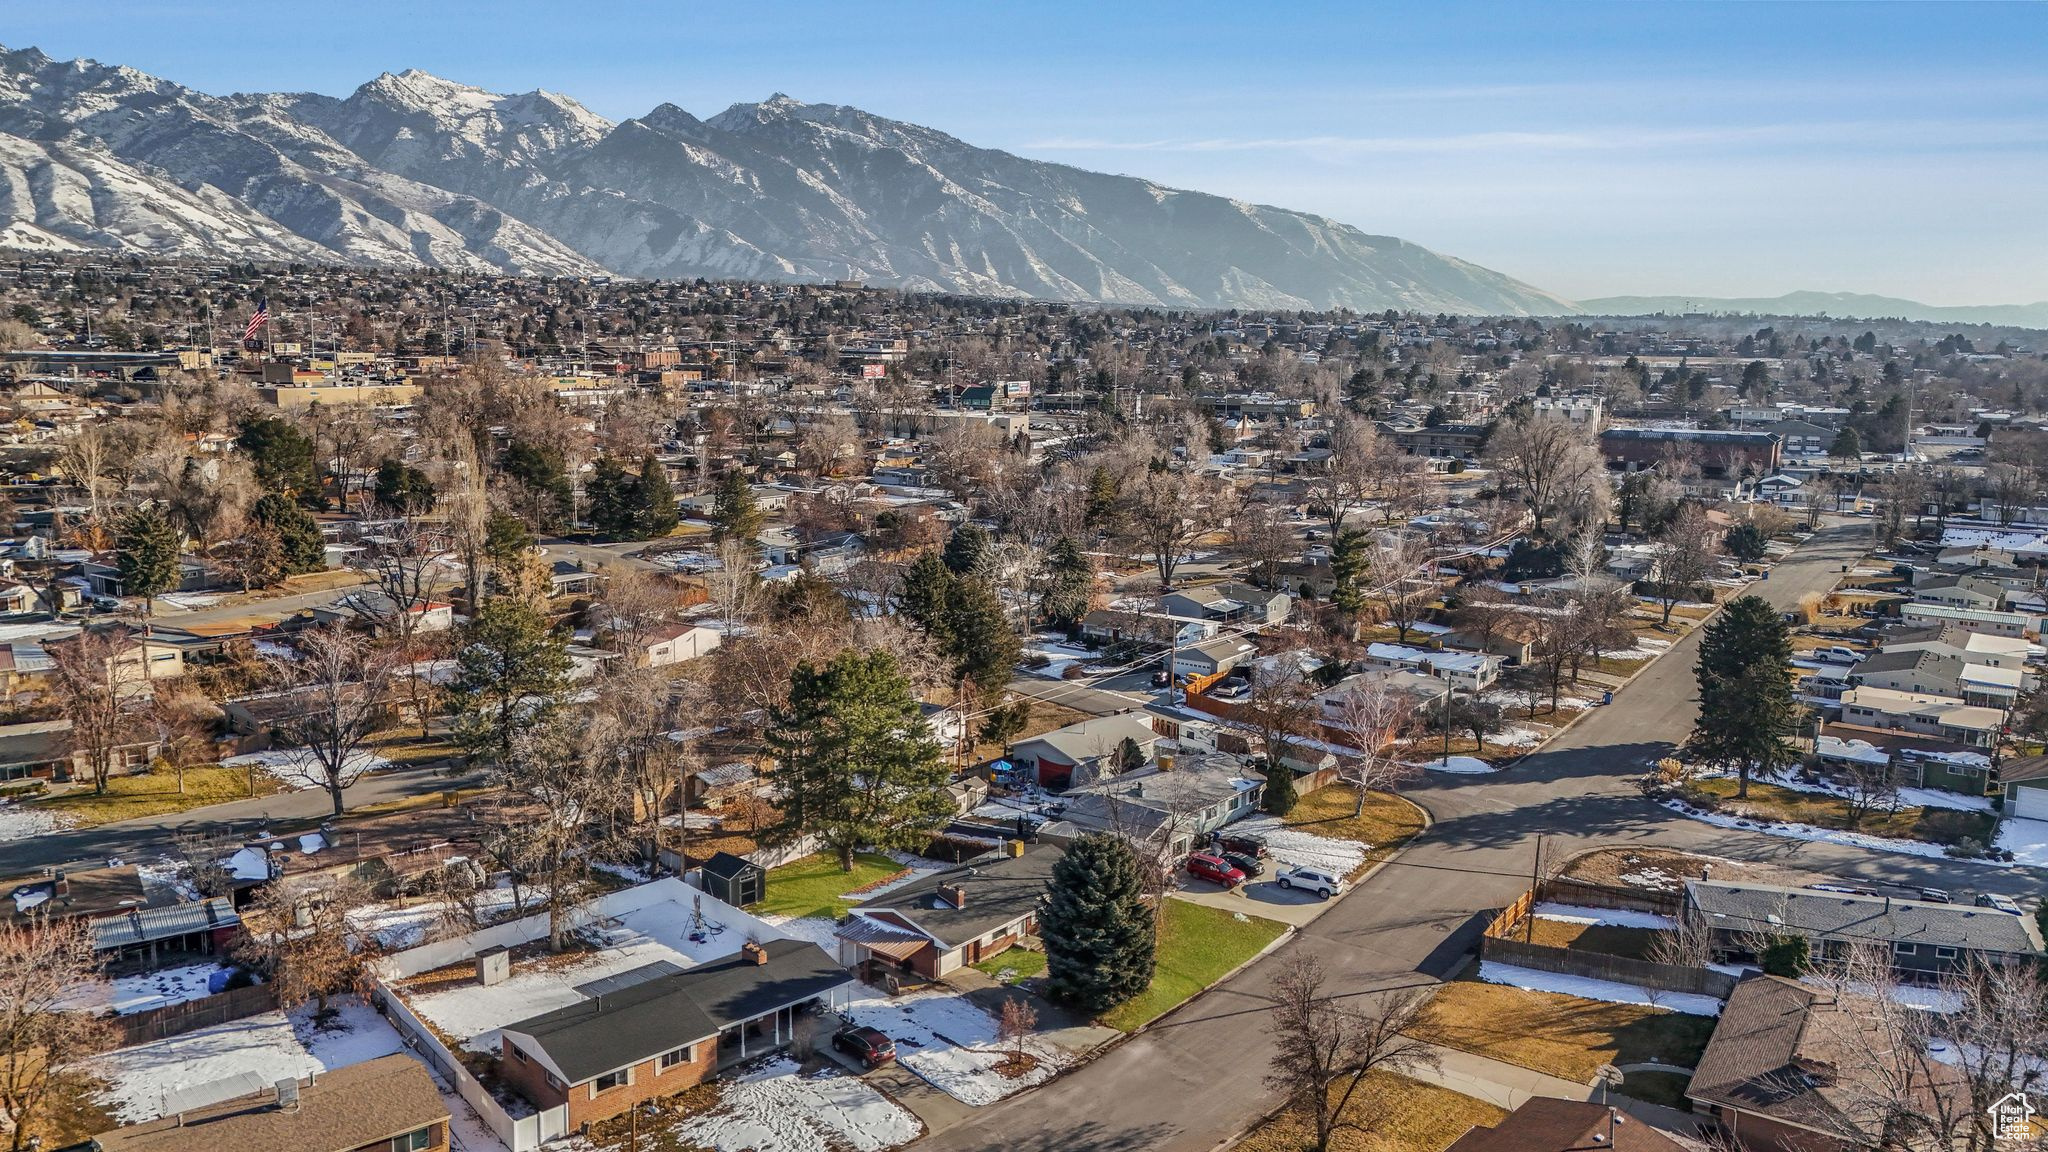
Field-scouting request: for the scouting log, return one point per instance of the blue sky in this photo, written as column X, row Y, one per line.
column 1589, row 148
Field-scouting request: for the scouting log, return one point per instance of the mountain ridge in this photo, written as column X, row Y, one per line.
column 412, row 169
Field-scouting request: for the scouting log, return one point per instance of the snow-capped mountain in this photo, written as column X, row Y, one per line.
column 412, row 170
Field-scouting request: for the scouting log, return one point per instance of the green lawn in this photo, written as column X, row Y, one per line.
column 1197, row 946
column 1934, row 825
column 1013, row 965
column 815, row 885
column 153, row 794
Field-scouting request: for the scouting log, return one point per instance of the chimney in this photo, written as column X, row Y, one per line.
column 63, row 883
column 753, row 951
column 953, row 894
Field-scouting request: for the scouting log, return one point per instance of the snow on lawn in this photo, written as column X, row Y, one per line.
column 297, row 768
column 1586, row 988
column 1295, row 848
column 771, row 1108
column 1908, row 797
column 23, row 821
column 400, row 926
column 473, row 1013
column 126, row 995
column 951, row 1043
column 240, row 1056
column 1647, row 648
column 1460, row 766
column 1944, row 1001
column 1518, row 737
column 1060, row 654
column 1612, row 917
column 1810, row 833
column 2027, row 840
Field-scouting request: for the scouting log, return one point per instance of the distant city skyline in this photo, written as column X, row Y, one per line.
column 1593, row 149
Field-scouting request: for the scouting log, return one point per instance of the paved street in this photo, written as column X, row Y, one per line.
column 1193, row 1080
column 153, row 836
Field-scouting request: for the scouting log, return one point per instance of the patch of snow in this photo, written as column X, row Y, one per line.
column 228, row 1057
column 1816, row 835
column 1295, row 848
column 1654, row 880
column 19, row 821
column 1612, row 917
column 951, row 1043
column 1518, row 737
column 1460, row 766
column 127, row 995
column 1586, row 988
column 816, row 929
column 771, row 1108
column 1908, row 797
column 297, row 767
column 2027, row 840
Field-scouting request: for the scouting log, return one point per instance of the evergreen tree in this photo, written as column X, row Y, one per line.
column 300, row 546
column 1747, row 543
column 984, row 647
column 1069, row 582
column 147, row 554
column 403, row 488
column 1746, row 709
column 1280, row 795
column 510, row 676
column 609, row 496
column 1100, row 938
column 968, row 550
column 655, row 501
column 544, row 475
column 733, row 513
column 506, row 538
column 1847, row 445
column 1098, row 508
column 282, row 456
column 857, row 761
column 927, row 598
column 1348, row 562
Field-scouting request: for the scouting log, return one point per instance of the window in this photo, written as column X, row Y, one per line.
column 610, row 1080
column 1944, row 953
column 671, row 1059
column 1905, row 949
column 414, row 1141
column 519, row 1053
column 555, row 1082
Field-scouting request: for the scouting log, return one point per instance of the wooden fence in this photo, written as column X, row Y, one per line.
column 1562, row 891
column 192, row 1015
column 1600, row 966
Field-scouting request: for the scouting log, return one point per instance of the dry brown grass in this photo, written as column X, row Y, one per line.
column 1399, row 1115
column 1609, row 865
column 1562, row 1036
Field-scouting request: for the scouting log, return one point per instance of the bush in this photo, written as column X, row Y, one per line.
column 1037, row 660
column 1967, row 848
column 1527, row 561
column 1786, row 956
column 1280, row 797
column 21, row 788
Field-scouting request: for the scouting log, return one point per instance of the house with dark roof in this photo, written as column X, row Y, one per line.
column 1543, row 1124
column 384, row 1105
column 1790, row 1069
column 947, row 920
column 656, row 1031
column 1925, row 938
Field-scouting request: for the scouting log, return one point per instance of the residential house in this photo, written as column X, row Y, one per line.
column 1171, row 808
column 1544, row 1124
column 947, row 920
column 1083, row 751
column 43, row 749
column 654, row 1031
column 1922, row 714
column 1787, row 1071
column 1960, row 590
column 1211, row 658
column 388, row 1104
column 2015, row 625
column 1465, row 671
column 1228, row 603
column 1925, row 938
column 674, row 643
column 2025, row 783
column 1938, row 670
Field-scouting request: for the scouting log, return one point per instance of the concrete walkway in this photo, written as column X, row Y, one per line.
column 1507, row 1086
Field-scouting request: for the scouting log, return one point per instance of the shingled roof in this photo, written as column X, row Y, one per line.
column 362, row 1105
column 1742, row 907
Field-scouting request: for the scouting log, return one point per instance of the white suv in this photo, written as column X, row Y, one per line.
column 1323, row 883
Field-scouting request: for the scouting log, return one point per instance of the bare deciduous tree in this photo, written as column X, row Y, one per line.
column 48, row 970
column 1547, row 460
column 1326, row 1049
column 341, row 681
column 1374, row 716
column 93, row 675
column 1690, row 544
column 299, row 936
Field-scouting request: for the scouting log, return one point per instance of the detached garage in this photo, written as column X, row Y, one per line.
column 2026, row 787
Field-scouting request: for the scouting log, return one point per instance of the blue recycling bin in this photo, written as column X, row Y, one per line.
column 1607, row 697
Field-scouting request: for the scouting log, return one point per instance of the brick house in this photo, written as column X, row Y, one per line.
column 635, row 1041
column 1926, row 938
column 947, row 920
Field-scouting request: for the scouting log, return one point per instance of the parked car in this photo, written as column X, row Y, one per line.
column 1244, row 862
column 1214, row 869
column 1320, row 881
column 2002, row 903
column 1935, row 895
column 1241, row 844
column 101, row 603
column 865, row 1044
column 1838, row 655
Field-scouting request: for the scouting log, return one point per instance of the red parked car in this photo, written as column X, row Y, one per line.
column 1214, row 869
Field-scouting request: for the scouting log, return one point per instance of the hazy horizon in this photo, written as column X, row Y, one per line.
column 1592, row 150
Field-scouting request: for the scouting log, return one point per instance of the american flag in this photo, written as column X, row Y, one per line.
column 257, row 321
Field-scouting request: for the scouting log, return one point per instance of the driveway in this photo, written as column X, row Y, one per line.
column 1261, row 898
column 1413, row 922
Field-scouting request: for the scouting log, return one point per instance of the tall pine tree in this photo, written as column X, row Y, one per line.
column 985, row 648
column 148, row 555
column 733, row 512
column 609, row 496
column 299, row 542
column 927, row 598
column 1747, row 714
column 1100, row 939
column 1069, row 582
column 858, row 765
column 968, row 550
column 654, row 511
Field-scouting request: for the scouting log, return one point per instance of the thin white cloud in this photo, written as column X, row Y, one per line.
column 1915, row 137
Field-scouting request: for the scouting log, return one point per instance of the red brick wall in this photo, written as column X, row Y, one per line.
column 647, row 1084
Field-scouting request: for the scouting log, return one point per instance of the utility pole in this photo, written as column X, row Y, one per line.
column 1535, row 881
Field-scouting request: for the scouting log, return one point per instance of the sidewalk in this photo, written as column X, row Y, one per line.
column 1507, row 1086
